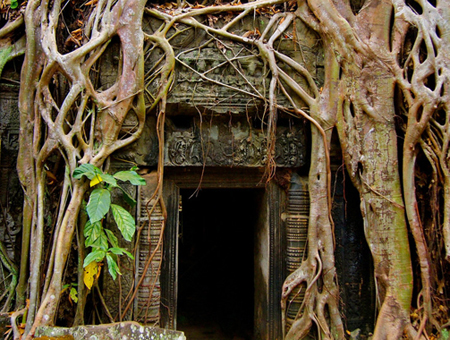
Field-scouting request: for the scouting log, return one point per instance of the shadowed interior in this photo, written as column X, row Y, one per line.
column 216, row 263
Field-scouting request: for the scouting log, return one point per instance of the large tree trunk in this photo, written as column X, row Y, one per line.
column 385, row 228
column 367, row 133
column 370, row 147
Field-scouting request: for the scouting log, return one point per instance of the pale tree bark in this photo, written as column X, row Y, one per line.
column 367, row 133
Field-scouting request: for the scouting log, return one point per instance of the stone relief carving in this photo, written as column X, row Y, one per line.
column 9, row 119
column 233, row 78
column 11, row 196
column 206, row 79
column 225, row 81
column 184, row 148
column 289, row 150
column 220, row 144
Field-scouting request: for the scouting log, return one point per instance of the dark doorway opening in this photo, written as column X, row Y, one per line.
column 216, row 263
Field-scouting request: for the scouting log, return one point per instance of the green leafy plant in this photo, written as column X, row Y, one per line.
column 14, row 4
column 73, row 293
column 103, row 242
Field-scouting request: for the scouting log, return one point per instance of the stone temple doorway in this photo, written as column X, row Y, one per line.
column 216, row 286
column 223, row 257
column 237, row 229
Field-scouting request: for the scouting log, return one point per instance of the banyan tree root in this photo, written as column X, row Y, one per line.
column 83, row 127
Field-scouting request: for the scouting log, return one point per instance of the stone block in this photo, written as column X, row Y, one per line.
column 115, row 331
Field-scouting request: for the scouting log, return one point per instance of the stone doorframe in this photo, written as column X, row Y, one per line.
column 267, row 300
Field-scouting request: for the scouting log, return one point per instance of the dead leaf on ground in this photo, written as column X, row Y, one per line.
column 227, row 18
column 255, row 34
column 212, row 20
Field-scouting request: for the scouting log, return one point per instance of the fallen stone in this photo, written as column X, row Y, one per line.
column 116, row 331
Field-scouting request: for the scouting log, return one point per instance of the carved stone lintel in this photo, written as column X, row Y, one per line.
column 222, row 143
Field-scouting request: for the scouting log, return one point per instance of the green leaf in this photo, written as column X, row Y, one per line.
column 130, row 200
column 131, row 176
column 121, row 251
column 113, row 268
column 92, row 230
column 109, row 179
column 112, row 238
column 128, row 254
column 97, row 255
column 73, row 295
column 14, row 4
column 116, row 250
column 101, row 242
column 88, row 170
column 98, row 205
column 124, row 221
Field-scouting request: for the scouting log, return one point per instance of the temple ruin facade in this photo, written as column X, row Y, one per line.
column 232, row 235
